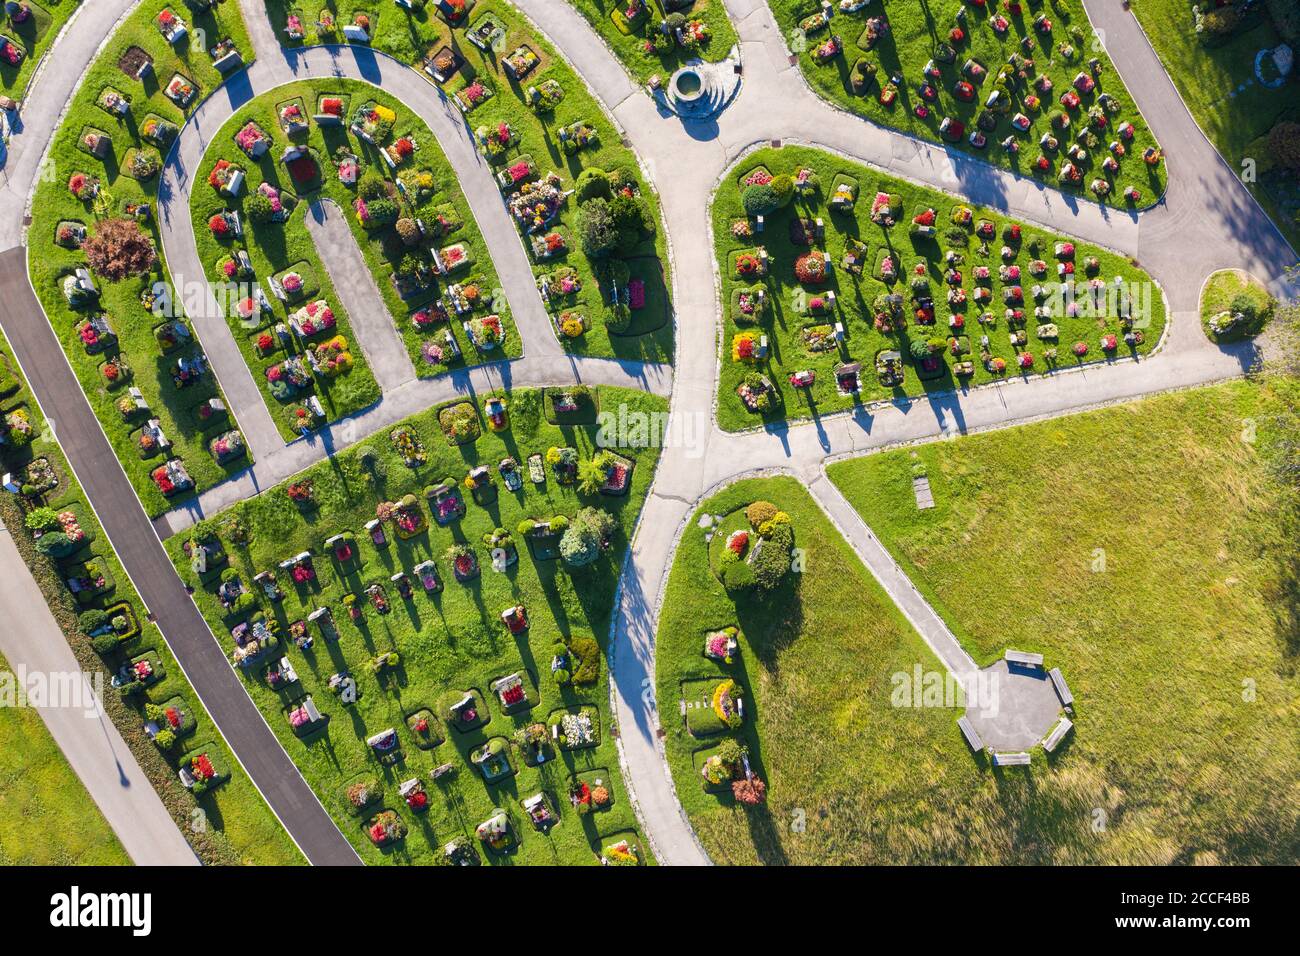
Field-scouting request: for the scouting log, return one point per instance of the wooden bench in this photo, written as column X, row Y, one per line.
column 1024, row 658
column 1011, row 760
column 1053, row 740
column 972, row 736
column 1062, row 690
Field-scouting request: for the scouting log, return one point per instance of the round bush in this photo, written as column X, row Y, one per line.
column 259, row 208
column 105, row 644
column 783, row 188
column 372, row 186
column 760, row 512
column 408, row 231
column 593, row 183
column 760, row 200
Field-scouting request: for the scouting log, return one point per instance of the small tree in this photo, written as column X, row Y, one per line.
column 760, row 200
column 120, row 248
column 597, row 231
column 259, row 208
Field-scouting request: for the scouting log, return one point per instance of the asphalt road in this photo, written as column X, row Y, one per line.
column 131, row 534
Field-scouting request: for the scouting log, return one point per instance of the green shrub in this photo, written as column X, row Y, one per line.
column 772, row 562
column 759, row 512
column 382, row 211
column 41, row 519
column 259, row 208
column 592, row 183
column 372, row 185
column 579, row 547
column 588, row 653
column 54, row 544
column 783, row 188
column 91, row 620
column 597, row 231
column 165, row 738
column 105, row 644
column 760, row 200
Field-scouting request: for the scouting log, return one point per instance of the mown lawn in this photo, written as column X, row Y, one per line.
column 405, row 34
column 1147, row 551
column 1234, row 109
column 628, row 38
column 151, row 369
column 851, row 780
column 915, row 33
column 448, row 643
column 276, row 247
column 231, row 824
column 35, row 36
column 46, row 816
column 790, row 312
column 417, row 37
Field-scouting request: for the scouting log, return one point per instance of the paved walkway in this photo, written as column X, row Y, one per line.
column 47, row 96
column 544, row 361
column 33, row 640
column 375, row 329
column 127, row 527
column 1179, row 242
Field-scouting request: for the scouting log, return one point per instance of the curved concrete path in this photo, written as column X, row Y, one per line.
column 544, row 362
column 1179, row 241
column 95, row 749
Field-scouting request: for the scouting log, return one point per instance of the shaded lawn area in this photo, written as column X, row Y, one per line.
column 1234, row 109
column 134, row 324
column 448, row 643
column 275, row 247
column 47, row 818
column 915, row 33
column 1145, row 550
column 857, row 296
column 852, row 780
column 628, row 40
column 36, row 35
column 238, row 825
column 404, row 34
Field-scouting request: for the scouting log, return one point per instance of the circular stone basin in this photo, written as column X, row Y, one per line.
column 687, row 84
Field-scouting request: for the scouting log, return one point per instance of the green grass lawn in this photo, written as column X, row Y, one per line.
column 404, row 34
column 234, row 824
column 46, row 816
column 1146, row 550
column 276, row 247
column 449, row 643
column 790, row 310
column 628, row 39
column 418, row 36
column 913, row 40
column 35, row 36
column 1219, row 86
column 851, row 780
column 1220, row 292
column 134, row 325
